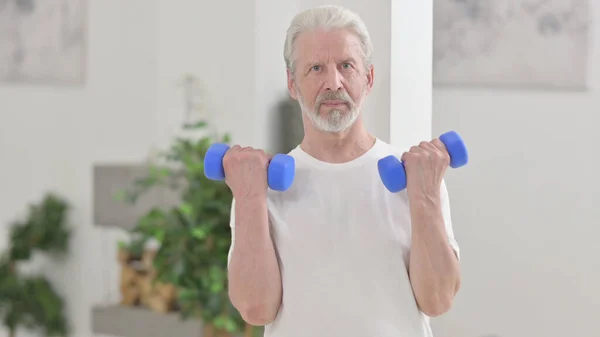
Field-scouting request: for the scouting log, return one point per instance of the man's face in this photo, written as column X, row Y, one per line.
column 330, row 80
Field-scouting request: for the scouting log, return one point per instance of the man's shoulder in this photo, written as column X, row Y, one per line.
column 383, row 149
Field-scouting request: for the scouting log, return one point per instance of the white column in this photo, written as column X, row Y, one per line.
column 410, row 72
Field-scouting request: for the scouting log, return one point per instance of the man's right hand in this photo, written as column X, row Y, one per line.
column 246, row 171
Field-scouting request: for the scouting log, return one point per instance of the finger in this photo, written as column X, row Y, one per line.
column 406, row 155
column 416, row 149
column 233, row 149
column 441, row 150
column 439, row 145
column 267, row 155
column 427, row 145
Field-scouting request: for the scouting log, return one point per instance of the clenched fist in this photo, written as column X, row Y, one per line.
column 246, row 171
column 425, row 166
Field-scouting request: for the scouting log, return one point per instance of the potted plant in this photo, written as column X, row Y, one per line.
column 27, row 301
column 194, row 236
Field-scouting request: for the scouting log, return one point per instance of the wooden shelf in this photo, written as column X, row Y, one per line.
column 123, row 321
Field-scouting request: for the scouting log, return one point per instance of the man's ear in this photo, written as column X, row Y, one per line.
column 291, row 82
column 370, row 78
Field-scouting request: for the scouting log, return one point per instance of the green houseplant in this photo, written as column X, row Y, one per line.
column 32, row 302
column 194, row 236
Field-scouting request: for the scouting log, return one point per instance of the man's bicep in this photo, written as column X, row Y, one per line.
column 447, row 215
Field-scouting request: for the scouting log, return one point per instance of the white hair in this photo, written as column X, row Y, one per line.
column 327, row 17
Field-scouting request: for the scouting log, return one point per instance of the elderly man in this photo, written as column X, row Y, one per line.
column 337, row 254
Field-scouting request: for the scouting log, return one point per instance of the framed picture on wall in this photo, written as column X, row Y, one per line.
column 518, row 43
column 42, row 41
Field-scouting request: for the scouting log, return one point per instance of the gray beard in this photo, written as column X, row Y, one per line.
column 335, row 121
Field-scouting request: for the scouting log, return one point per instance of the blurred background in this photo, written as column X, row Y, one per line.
column 107, row 107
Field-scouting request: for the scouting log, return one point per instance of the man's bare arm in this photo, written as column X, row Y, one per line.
column 254, row 276
column 433, row 266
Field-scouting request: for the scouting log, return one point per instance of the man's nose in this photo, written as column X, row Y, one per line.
column 333, row 80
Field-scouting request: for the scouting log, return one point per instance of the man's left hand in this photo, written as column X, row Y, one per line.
column 425, row 166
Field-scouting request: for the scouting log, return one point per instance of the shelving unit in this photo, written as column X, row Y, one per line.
column 117, row 320
column 122, row 321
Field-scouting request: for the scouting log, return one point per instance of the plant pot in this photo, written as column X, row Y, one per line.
column 211, row 331
column 155, row 295
column 130, row 292
column 138, row 285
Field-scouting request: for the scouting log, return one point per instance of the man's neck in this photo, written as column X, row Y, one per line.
column 337, row 147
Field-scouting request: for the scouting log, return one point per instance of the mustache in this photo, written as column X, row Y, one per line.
column 334, row 95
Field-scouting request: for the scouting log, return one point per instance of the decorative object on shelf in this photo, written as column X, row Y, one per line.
column 193, row 237
column 139, row 285
column 42, row 41
column 192, row 94
column 543, row 44
column 156, row 295
column 28, row 301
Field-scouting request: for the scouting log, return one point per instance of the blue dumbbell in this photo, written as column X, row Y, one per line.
column 393, row 175
column 280, row 174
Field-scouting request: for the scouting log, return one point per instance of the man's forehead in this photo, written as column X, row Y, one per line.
column 338, row 44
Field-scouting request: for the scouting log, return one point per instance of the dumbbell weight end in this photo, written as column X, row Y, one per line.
column 281, row 172
column 213, row 161
column 456, row 149
column 392, row 173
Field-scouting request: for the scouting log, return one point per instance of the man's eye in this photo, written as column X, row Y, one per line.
column 346, row 66
column 316, row 68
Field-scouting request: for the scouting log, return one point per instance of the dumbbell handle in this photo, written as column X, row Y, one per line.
column 393, row 174
column 280, row 173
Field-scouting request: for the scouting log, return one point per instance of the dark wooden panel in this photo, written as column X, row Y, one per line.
column 108, row 180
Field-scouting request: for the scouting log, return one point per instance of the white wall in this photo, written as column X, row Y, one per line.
column 216, row 45
column 523, row 208
column 51, row 136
